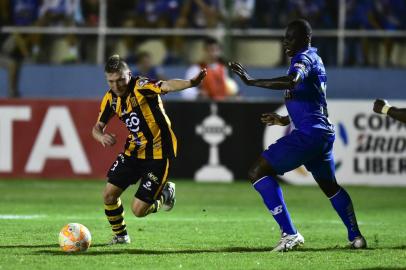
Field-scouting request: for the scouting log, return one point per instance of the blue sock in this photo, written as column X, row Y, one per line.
column 342, row 203
column 271, row 193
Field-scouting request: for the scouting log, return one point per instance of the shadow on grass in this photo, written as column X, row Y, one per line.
column 41, row 246
column 157, row 252
column 197, row 251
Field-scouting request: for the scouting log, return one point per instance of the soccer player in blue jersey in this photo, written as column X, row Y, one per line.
column 309, row 144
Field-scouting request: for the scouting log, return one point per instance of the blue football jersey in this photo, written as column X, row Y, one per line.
column 306, row 103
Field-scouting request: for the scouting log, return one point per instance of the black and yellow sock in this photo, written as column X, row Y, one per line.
column 115, row 216
column 155, row 206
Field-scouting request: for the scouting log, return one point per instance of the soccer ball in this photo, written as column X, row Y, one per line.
column 74, row 237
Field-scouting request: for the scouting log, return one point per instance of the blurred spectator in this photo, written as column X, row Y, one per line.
column 14, row 49
column 388, row 16
column 62, row 13
column 241, row 13
column 193, row 14
column 270, row 14
column 90, row 10
column 145, row 67
column 118, row 12
column 200, row 14
column 24, row 12
column 359, row 16
column 4, row 13
column 157, row 13
column 217, row 85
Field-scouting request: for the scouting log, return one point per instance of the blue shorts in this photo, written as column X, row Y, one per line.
column 315, row 152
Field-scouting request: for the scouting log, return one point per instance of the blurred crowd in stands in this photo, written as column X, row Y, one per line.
column 202, row 14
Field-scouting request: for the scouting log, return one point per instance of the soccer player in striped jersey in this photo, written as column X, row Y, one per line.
column 149, row 148
column 309, row 144
column 382, row 106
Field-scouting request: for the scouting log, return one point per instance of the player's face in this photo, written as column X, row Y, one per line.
column 213, row 52
column 118, row 82
column 292, row 42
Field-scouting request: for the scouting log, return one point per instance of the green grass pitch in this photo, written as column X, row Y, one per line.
column 213, row 226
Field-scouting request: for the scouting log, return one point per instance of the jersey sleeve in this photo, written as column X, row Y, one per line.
column 106, row 110
column 302, row 65
column 149, row 87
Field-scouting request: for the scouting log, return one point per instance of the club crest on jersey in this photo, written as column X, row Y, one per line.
column 300, row 65
column 142, row 81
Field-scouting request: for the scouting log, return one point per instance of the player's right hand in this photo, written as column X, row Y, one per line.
column 108, row 139
column 271, row 119
column 378, row 105
column 238, row 69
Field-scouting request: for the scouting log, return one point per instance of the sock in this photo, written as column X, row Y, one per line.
column 115, row 216
column 272, row 195
column 342, row 203
column 155, row 206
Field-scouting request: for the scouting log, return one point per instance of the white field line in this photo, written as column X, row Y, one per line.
column 22, row 216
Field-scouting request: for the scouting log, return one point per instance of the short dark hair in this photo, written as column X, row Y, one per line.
column 115, row 64
column 210, row 41
column 302, row 27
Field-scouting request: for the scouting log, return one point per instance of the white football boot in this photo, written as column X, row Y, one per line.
column 169, row 195
column 289, row 242
column 359, row 242
column 120, row 239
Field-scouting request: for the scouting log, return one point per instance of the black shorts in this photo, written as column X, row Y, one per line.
column 153, row 174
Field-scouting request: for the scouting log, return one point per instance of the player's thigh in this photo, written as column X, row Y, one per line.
column 323, row 170
column 291, row 151
column 322, row 166
column 154, row 177
column 123, row 172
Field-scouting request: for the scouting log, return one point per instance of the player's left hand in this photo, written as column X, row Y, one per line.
column 271, row 119
column 195, row 81
column 378, row 105
column 239, row 69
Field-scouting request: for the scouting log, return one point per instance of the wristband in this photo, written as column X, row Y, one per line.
column 385, row 109
column 194, row 83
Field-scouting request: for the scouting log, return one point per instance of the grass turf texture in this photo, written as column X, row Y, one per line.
column 213, row 226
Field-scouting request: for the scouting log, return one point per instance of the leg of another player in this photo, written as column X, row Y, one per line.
column 262, row 177
column 142, row 209
column 114, row 211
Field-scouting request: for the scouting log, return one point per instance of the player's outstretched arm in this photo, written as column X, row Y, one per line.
column 271, row 119
column 382, row 106
column 178, row 85
column 279, row 83
column 106, row 139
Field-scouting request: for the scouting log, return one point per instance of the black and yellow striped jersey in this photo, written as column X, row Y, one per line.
column 142, row 111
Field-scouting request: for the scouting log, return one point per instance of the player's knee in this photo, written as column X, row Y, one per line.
column 109, row 198
column 253, row 174
column 138, row 211
column 329, row 188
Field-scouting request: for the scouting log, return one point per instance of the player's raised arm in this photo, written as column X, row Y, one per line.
column 279, row 83
column 382, row 106
column 178, row 84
